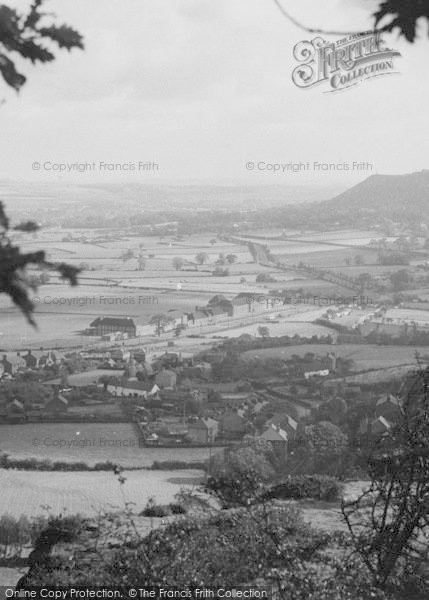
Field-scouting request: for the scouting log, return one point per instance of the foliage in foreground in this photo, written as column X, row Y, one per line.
column 14, row 278
column 231, row 548
column 16, row 533
column 27, row 35
column 389, row 522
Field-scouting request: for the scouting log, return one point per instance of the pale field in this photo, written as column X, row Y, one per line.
column 381, row 375
column 400, row 315
column 26, row 492
column 63, row 313
column 115, row 442
column 364, row 356
column 340, row 236
column 290, row 328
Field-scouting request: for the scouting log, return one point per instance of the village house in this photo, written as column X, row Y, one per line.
column 277, row 438
column 286, row 423
column 369, row 431
column 232, row 425
column 388, row 407
column 177, row 319
column 139, row 355
column 203, row 431
column 13, row 363
column 319, row 373
column 120, row 354
column 200, row 317
column 185, row 396
column 166, row 378
column 31, row 360
column 12, row 412
column 57, row 405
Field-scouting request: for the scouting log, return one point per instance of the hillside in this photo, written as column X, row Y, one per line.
column 388, row 194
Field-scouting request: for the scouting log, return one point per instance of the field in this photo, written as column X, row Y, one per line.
column 111, row 285
column 26, row 492
column 364, row 357
column 89, row 443
column 408, row 315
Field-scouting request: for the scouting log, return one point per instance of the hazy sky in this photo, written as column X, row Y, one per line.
column 203, row 86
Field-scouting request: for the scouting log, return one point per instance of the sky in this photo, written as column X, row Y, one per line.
column 203, row 87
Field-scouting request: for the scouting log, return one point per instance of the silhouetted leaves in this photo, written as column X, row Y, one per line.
column 14, row 279
column 10, row 74
column 64, row 36
column 405, row 14
column 22, row 34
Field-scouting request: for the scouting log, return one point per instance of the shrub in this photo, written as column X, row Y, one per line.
column 171, row 465
column 17, row 533
column 236, row 480
column 156, row 510
column 317, row 487
column 36, row 464
column 265, row 278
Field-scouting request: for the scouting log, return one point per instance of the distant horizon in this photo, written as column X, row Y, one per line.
column 206, row 181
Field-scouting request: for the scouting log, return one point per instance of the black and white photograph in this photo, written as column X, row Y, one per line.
column 214, row 299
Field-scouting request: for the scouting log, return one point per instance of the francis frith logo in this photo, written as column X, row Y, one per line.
column 343, row 63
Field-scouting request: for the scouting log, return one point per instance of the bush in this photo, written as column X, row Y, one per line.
column 156, row 510
column 17, row 533
column 171, row 465
column 237, row 479
column 162, row 510
column 267, row 544
column 36, row 464
column 296, row 487
column 177, row 509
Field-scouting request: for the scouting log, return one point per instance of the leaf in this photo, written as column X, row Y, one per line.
column 68, row 272
column 29, row 49
column 64, row 36
column 405, row 16
column 34, row 15
column 10, row 74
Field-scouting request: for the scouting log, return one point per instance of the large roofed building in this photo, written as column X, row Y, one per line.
column 105, row 325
